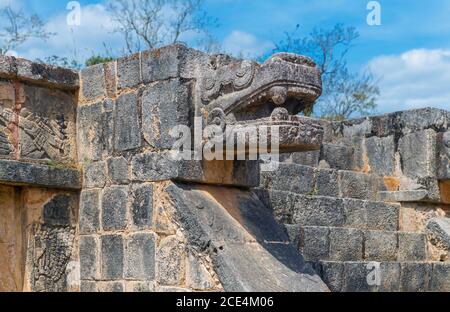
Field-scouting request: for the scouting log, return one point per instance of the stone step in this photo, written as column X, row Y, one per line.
column 308, row 180
column 311, row 210
column 350, row 244
column 363, row 276
column 334, row 156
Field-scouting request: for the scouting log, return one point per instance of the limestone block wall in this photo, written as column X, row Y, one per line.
column 129, row 237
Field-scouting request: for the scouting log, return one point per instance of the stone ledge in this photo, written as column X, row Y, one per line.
column 37, row 73
column 19, row 173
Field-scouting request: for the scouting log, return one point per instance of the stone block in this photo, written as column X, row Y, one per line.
column 114, row 208
column 129, row 71
column 380, row 246
column 89, row 258
column 355, row 213
column 118, row 170
column 318, row 211
column 140, row 287
column 88, row 287
column 127, row 124
column 440, row 277
column 301, row 158
column 444, row 156
column 412, row 247
column 346, row 244
column 94, row 175
column 140, row 257
column 418, row 152
column 390, row 277
column 327, row 183
column 171, row 261
column 315, row 243
column 356, row 277
column 152, row 167
column 142, row 206
column 282, row 204
column 165, row 105
column 95, row 131
column 424, row 118
column 438, row 230
column 381, row 155
column 112, row 258
column 294, row 233
column 290, row 178
column 110, row 287
column 337, row 156
column 163, row 63
column 382, row 216
column 415, row 277
column 89, row 211
column 332, row 273
column 93, row 82
column 357, row 185
column 20, row 173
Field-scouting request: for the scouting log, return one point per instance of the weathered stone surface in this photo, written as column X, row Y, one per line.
column 42, row 74
column 112, row 257
column 404, row 196
column 438, row 230
column 444, row 156
column 95, row 130
column 89, row 211
column 111, row 287
column 19, row 173
column 418, row 153
column 412, row 247
column 140, row 257
column 346, row 244
column 357, row 185
column 382, row 217
column 415, row 277
column 165, row 105
column 390, row 277
column 440, row 277
column 162, row 64
column 270, row 263
column 149, row 167
column 380, row 246
column 171, row 261
column 95, row 175
column 355, row 211
column 114, row 208
column 197, row 276
column 337, row 156
column 294, row 233
column 140, row 287
column 332, row 274
column 93, row 82
column 315, row 243
column 290, row 178
column 127, row 124
column 356, row 277
column 142, row 206
column 129, row 71
column 89, row 258
column 326, row 184
column 302, row 158
column 424, row 118
column 381, row 153
column 118, row 170
column 88, row 287
column 318, row 211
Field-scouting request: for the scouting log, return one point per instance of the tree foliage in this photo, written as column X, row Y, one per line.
column 148, row 24
column 345, row 94
column 16, row 27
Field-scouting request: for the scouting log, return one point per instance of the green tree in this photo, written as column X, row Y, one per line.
column 345, row 94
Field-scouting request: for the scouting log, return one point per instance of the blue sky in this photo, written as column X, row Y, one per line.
column 409, row 52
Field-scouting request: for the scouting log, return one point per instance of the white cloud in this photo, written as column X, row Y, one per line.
column 414, row 79
column 80, row 41
column 246, row 44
